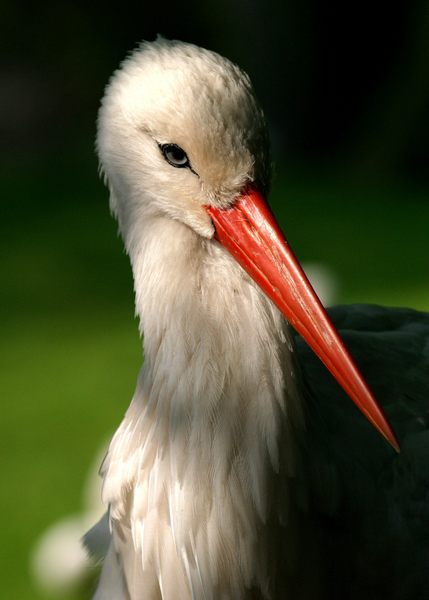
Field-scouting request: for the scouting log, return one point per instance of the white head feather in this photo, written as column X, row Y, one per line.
column 171, row 92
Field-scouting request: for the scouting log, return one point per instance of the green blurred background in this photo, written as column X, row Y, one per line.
column 345, row 88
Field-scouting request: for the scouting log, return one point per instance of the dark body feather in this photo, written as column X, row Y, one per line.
column 363, row 528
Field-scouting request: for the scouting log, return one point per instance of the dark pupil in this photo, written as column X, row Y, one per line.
column 175, row 155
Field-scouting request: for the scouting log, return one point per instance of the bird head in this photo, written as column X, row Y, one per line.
column 180, row 128
column 181, row 135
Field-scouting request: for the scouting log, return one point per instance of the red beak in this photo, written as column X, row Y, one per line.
column 250, row 233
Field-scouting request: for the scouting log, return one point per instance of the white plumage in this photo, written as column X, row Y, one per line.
column 218, row 485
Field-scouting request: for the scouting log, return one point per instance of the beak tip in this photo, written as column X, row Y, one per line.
column 393, row 440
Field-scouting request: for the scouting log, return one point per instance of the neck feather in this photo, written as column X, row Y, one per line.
column 199, row 447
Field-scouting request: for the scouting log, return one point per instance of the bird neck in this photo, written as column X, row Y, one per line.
column 215, row 395
column 214, row 344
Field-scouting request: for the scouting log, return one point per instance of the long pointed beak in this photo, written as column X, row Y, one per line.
column 250, row 233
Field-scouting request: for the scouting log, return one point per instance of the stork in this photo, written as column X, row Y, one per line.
column 239, row 472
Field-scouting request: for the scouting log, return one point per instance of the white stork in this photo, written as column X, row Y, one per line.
column 239, row 472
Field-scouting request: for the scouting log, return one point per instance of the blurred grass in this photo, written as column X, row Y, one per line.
column 69, row 350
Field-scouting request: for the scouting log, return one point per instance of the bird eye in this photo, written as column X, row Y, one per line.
column 174, row 155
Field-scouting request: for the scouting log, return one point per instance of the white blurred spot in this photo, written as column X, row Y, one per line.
column 324, row 281
column 59, row 562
